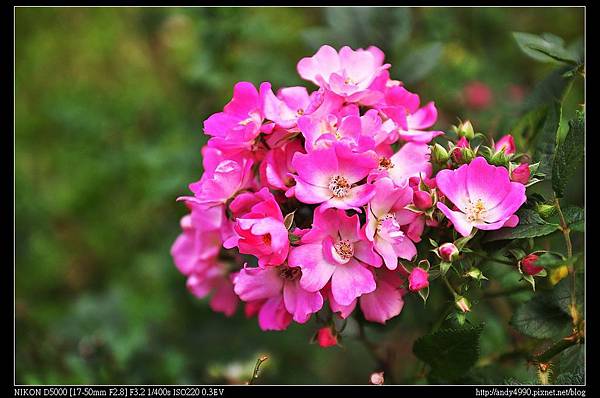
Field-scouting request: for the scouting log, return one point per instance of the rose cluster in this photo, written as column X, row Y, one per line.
column 316, row 200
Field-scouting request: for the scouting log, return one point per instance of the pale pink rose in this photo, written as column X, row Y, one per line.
column 484, row 195
column 335, row 249
column 277, row 285
column 331, row 176
column 348, row 73
column 236, row 128
column 386, row 217
column 261, row 232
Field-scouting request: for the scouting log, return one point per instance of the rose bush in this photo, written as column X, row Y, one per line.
column 337, row 203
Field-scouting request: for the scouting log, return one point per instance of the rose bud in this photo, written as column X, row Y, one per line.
column 439, row 154
column 527, row 265
column 458, row 149
column 422, row 200
column 462, row 303
column 521, row 174
column 376, row 378
column 465, row 129
column 418, row 279
column 326, row 338
column 507, row 143
column 448, row 252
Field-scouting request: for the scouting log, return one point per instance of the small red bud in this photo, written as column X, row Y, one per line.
column 456, row 152
column 326, row 338
column 507, row 143
column 521, row 174
column 422, row 200
column 528, row 266
column 418, row 279
column 448, row 252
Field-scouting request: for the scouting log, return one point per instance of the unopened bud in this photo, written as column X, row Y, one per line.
column 376, row 378
column 468, row 154
column 506, row 144
column 457, row 150
column 462, row 303
column 527, row 265
column 326, row 337
column 418, row 279
column 476, row 273
column 448, row 252
column 439, row 154
column 465, row 129
column 521, row 174
column 500, row 159
column 545, row 211
column 422, row 200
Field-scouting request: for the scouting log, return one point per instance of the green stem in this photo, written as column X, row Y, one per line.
column 259, row 362
column 564, row 227
column 449, row 286
column 557, row 348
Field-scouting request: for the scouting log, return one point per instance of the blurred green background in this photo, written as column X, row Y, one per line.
column 109, row 111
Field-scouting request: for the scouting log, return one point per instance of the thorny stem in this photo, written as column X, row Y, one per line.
column 372, row 348
column 558, row 347
column 450, row 288
column 564, row 227
column 259, row 362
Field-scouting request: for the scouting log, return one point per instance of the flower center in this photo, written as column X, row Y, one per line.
column 389, row 228
column 476, row 211
column 385, row 163
column 267, row 239
column 345, row 249
column 289, row 273
column 339, row 186
column 246, row 121
column 300, row 112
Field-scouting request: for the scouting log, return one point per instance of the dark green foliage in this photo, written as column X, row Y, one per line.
column 568, row 155
column 531, row 225
column 449, row 352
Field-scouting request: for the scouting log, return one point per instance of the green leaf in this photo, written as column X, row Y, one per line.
column 575, row 218
column 551, row 260
column 552, row 89
column 572, row 378
column 561, row 294
column 419, row 62
column 545, row 48
column 571, row 358
column 529, row 125
column 545, row 145
column 531, row 225
column 449, row 352
column 568, row 154
column 541, row 317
